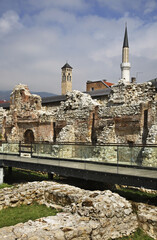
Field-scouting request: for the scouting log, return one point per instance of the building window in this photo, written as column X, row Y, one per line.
column 92, row 89
column 64, row 77
column 68, row 77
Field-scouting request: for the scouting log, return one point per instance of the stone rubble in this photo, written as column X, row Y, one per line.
column 86, row 214
column 147, row 218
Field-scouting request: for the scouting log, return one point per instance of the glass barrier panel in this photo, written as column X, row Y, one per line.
column 125, row 155
column 5, row 147
column 1, row 147
column 42, row 149
column 137, row 155
column 12, row 148
column 109, row 154
column 148, row 156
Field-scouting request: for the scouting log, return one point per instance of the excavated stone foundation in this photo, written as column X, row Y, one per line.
column 86, row 214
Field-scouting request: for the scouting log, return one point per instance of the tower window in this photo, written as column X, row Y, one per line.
column 64, row 77
column 68, row 77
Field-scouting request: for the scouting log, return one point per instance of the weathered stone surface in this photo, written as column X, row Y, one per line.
column 26, row 113
column 128, row 116
column 119, row 120
column 2, row 115
column 74, row 118
column 82, row 119
column 147, row 217
column 87, row 214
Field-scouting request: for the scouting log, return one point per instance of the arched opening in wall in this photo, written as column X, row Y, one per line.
column 29, row 136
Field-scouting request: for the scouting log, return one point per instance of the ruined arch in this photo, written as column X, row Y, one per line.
column 28, row 136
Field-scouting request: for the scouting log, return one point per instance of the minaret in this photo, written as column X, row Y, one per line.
column 125, row 65
column 66, row 79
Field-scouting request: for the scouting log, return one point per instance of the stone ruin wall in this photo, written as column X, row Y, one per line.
column 120, row 120
column 27, row 113
column 82, row 119
column 86, row 214
column 129, row 116
column 2, row 115
column 76, row 114
column 123, row 116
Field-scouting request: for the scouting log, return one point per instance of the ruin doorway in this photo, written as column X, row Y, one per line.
column 29, row 136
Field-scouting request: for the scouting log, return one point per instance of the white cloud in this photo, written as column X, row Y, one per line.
column 9, row 21
column 150, row 6
column 38, row 43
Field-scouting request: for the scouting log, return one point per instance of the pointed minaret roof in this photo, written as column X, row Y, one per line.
column 126, row 43
column 66, row 66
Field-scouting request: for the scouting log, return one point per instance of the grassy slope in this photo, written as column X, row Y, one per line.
column 23, row 213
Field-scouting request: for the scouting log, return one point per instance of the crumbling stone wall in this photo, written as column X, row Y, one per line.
column 129, row 116
column 27, row 114
column 147, row 218
column 2, row 115
column 86, row 214
column 76, row 114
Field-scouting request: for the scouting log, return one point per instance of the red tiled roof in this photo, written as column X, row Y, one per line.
column 108, row 83
column 3, row 101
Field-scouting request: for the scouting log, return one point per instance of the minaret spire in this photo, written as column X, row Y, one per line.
column 125, row 65
column 125, row 42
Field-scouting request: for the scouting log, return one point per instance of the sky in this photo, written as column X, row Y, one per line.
column 37, row 37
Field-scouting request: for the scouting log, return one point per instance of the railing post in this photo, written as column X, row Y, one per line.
column 19, row 148
column 117, row 159
column 131, row 155
column 31, row 149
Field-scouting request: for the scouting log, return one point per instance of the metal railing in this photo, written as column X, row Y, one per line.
column 25, row 150
column 119, row 154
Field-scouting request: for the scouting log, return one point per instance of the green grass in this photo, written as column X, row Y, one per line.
column 138, row 235
column 4, row 185
column 11, row 216
column 137, row 196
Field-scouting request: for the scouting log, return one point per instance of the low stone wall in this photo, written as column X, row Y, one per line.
column 147, row 217
column 86, row 214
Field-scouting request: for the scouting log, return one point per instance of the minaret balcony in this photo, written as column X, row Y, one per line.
column 125, row 65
